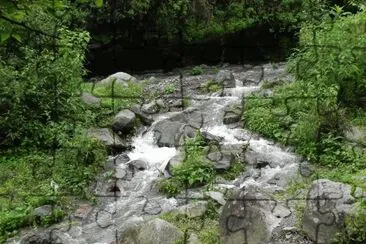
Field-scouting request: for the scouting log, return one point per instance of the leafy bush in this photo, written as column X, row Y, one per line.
column 194, row 170
column 337, row 59
column 72, row 168
column 168, row 89
column 211, row 86
column 355, row 229
column 197, row 70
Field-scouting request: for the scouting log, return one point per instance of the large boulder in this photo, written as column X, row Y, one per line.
column 191, row 210
column 121, row 78
column 167, row 133
column 145, row 119
column 174, row 161
column 107, row 137
column 260, row 154
column 226, row 78
column 221, row 159
column 150, row 108
column 247, row 220
column 124, row 121
column 47, row 236
column 327, row 208
column 232, row 114
column 90, row 100
column 156, row 231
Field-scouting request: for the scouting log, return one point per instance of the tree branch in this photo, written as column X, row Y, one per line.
column 14, row 22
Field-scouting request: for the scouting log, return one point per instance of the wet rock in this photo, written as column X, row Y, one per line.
column 226, row 78
column 209, row 138
column 146, row 119
column 232, row 114
column 139, row 165
column 231, row 118
column 90, row 100
column 324, row 218
column 121, row 171
column 249, row 215
column 284, row 176
column 261, row 151
column 124, row 121
column 174, row 161
column 150, row 108
column 166, row 133
column 305, row 169
column 83, row 211
column 221, row 160
column 160, row 103
column 156, row 231
column 192, row 210
column 217, row 196
column 107, row 137
column 191, row 116
column 43, row 211
column 46, row 237
column 121, row 78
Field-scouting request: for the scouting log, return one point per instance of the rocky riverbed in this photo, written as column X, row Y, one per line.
column 256, row 207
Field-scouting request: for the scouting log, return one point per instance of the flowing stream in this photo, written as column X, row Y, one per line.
column 138, row 198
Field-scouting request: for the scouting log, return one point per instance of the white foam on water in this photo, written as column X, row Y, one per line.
column 146, row 149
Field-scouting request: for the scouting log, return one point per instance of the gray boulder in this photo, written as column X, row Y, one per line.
column 174, row 161
column 43, row 211
column 138, row 165
column 150, row 108
column 124, row 121
column 46, row 236
column 221, row 159
column 156, row 231
column 107, row 137
column 90, row 100
column 120, row 78
column 217, row 196
column 167, row 133
column 146, row 119
column 191, row 210
column 230, row 118
column 246, row 220
column 226, row 78
column 325, row 217
column 210, row 138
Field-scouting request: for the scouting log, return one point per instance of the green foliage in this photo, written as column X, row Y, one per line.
column 313, row 113
column 197, row 70
column 168, row 89
column 206, row 227
column 115, row 95
column 355, row 230
column 194, row 170
column 211, row 86
column 234, row 171
column 337, row 60
column 71, row 169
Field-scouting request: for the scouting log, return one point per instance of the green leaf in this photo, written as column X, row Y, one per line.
column 4, row 36
column 17, row 37
column 99, row 3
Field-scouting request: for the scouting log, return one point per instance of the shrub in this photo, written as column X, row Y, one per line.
column 197, row 70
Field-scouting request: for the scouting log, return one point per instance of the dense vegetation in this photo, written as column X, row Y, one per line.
column 43, row 145
column 326, row 101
